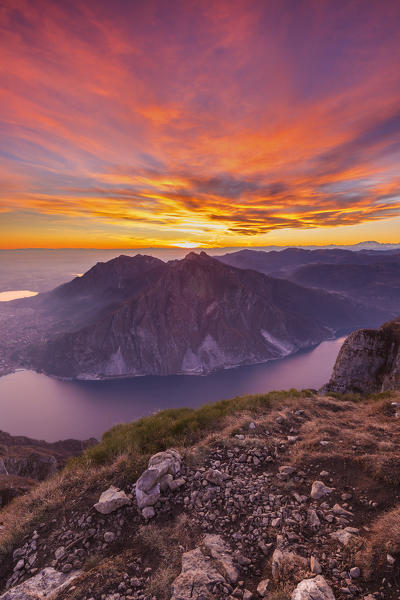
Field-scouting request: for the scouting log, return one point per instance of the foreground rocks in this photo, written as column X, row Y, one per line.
column 235, row 519
column 111, row 500
column 161, row 475
column 46, row 584
column 313, row 589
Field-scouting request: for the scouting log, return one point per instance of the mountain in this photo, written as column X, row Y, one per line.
column 368, row 362
column 105, row 284
column 285, row 262
column 374, row 285
column 369, row 277
column 197, row 315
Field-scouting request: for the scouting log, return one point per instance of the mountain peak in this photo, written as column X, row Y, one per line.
column 198, row 256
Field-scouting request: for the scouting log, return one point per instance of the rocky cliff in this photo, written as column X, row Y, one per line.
column 369, row 361
column 195, row 316
column 25, row 461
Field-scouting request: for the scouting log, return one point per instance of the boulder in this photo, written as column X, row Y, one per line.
column 283, row 559
column 345, row 535
column 216, row 548
column 197, row 579
column 313, row 589
column 44, row 585
column 159, row 476
column 111, row 500
column 319, row 489
column 203, row 569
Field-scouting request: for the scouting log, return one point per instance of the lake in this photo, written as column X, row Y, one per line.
column 41, row 407
column 15, row 294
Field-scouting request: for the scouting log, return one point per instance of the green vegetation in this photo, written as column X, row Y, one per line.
column 177, row 427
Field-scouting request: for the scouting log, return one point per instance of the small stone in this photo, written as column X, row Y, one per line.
column 67, row 568
column 148, row 512
column 315, row 566
column 262, row 587
column 111, row 500
column 109, row 537
column 319, row 489
column 355, row 572
column 59, row 553
column 286, row 470
column 19, row 565
column 390, row 559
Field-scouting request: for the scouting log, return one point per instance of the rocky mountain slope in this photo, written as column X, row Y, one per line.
column 197, row 315
column 287, row 496
column 25, row 461
column 369, row 361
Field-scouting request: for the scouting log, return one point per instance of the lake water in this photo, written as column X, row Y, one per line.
column 41, row 407
column 15, row 294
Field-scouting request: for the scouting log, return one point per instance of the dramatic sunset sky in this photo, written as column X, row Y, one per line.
column 134, row 123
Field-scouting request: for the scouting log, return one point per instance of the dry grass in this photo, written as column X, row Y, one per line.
column 284, row 592
column 166, row 544
column 384, row 539
column 67, row 488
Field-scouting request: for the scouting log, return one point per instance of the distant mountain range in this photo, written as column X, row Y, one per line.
column 139, row 316
column 368, row 277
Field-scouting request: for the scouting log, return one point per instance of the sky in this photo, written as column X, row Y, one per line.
column 138, row 123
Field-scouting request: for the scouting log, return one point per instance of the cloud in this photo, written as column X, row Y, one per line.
column 236, row 118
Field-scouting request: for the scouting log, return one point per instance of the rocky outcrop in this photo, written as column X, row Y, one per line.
column 368, row 362
column 25, row 461
column 45, row 585
column 313, row 589
column 194, row 316
column 34, row 465
column 160, row 475
column 206, row 570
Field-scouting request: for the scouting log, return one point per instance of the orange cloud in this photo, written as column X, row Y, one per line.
column 211, row 121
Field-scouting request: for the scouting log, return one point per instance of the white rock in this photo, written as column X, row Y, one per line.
column 390, row 559
column 148, row 512
column 319, row 489
column 215, row 547
column 345, row 535
column 44, row 585
column 339, row 510
column 313, row 589
column 197, row 578
column 109, row 537
column 111, row 500
column 162, row 468
column 262, row 588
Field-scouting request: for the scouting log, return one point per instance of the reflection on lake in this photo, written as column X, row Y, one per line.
column 15, row 294
column 38, row 406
